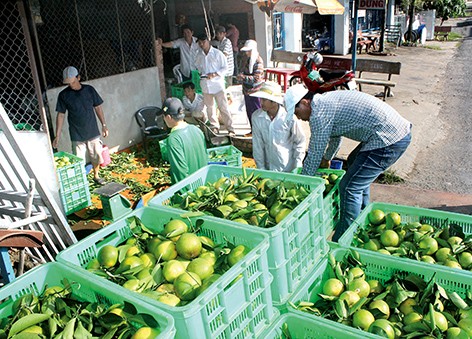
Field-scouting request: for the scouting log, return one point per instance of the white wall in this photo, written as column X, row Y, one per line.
column 293, row 29
column 341, row 31
column 123, row 95
column 263, row 31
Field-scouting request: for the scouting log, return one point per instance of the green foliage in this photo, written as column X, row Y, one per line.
column 446, row 9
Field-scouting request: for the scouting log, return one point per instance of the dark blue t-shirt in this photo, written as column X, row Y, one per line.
column 81, row 113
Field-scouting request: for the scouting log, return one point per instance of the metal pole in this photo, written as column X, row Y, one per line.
column 354, row 35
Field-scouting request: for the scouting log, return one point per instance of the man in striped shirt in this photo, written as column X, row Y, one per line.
column 224, row 45
column 383, row 136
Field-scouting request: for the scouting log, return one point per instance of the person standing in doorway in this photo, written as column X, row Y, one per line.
column 185, row 143
column 224, row 45
column 252, row 77
column 232, row 33
column 188, row 49
column 211, row 64
column 83, row 105
column 383, row 136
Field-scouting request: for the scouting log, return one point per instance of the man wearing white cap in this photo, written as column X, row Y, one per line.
column 383, row 136
column 278, row 141
column 251, row 77
column 83, row 103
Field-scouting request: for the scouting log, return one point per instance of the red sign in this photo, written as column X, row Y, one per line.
column 371, row 4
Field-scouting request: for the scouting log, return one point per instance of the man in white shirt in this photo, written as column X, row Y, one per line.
column 193, row 104
column 278, row 141
column 212, row 65
column 188, row 49
column 224, row 45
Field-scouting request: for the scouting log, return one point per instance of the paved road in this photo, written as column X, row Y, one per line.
column 446, row 164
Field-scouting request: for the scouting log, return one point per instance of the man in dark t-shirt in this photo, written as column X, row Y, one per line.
column 83, row 103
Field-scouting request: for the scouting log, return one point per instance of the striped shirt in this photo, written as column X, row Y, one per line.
column 227, row 49
column 252, row 82
column 354, row 115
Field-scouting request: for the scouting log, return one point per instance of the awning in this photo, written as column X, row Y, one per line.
column 309, row 6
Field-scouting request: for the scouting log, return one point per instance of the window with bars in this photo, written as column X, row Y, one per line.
column 279, row 34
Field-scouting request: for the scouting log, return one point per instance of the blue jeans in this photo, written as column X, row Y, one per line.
column 363, row 168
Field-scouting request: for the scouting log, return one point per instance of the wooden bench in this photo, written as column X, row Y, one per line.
column 330, row 62
column 442, row 32
column 377, row 66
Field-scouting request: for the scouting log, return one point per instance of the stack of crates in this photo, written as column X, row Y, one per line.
column 237, row 305
column 230, row 155
column 296, row 243
column 73, row 183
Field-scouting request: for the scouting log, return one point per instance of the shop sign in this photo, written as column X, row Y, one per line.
column 371, row 4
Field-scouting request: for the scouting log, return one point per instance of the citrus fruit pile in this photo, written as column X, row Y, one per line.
column 403, row 307
column 386, row 233
column 56, row 313
column 62, row 161
column 245, row 199
column 172, row 267
column 330, row 181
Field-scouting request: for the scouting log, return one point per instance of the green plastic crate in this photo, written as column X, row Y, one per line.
column 331, row 202
column 381, row 268
column 227, row 309
column 163, row 149
column 71, row 176
column 229, row 154
column 306, row 327
column 435, row 218
column 75, row 199
column 84, row 289
column 296, row 243
column 73, row 184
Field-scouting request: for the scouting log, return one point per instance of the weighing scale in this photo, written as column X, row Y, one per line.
column 114, row 204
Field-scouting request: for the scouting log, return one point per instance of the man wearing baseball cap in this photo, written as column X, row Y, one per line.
column 185, row 143
column 383, row 136
column 82, row 103
column 278, row 141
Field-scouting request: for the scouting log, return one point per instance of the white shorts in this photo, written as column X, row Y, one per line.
column 92, row 147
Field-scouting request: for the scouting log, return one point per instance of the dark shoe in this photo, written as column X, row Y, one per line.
column 99, row 181
column 247, row 135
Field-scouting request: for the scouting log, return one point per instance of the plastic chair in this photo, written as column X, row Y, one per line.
column 151, row 122
column 177, row 74
column 212, row 139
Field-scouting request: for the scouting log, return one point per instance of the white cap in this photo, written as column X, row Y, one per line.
column 69, row 74
column 293, row 96
column 249, row 45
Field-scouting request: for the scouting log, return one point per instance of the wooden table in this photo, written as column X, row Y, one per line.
column 282, row 74
column 374, row 37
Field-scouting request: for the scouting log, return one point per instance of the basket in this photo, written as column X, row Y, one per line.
column 228, row 308
column 244, row 144
column 301, row 326
column 435, row 218
column 73, row 184
column 331, row 201
column 381, row 268
column 85, row 289
column 295, row 244
column 229, row 154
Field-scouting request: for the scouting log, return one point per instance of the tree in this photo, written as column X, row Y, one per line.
column 446, row 9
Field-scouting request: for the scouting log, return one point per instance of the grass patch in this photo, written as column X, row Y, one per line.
column 454, row 36
column 434, row 47
column 389, row 178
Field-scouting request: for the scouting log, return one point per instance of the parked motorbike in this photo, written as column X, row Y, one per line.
column 320, row 80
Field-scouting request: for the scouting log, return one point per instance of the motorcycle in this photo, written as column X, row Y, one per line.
column 320, row 80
